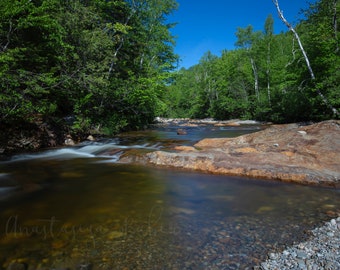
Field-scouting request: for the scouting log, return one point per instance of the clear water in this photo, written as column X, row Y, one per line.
column 77, row 207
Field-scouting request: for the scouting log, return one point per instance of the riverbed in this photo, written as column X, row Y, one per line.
column 80, row 208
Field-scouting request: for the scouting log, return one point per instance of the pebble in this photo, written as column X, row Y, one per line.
column 321, row 251
column 333, row 222
column 285, row 252
column 221, row 245
column 301, row 254
column 17, row 266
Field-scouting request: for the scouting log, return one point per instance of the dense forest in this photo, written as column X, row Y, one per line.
column 110, row 65
column 102, row 63
column 266, row 76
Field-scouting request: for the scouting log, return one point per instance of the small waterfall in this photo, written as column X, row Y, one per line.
column 109, row 150
column 65, row 153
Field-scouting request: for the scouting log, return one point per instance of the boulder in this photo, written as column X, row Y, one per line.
column 90, row 138
column 181, row 131
column 69, row 141
column 305, row 154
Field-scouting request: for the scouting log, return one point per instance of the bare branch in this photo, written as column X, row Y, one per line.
column 293, row 53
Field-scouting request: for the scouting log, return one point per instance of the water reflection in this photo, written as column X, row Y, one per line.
column 167, row 135
column 77, row 212
column 116, row 216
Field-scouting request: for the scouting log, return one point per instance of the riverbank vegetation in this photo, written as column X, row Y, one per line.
column 96, row 63
column 110, row 65
column 266, row 76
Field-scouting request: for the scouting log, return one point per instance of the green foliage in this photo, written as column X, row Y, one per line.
column 104, row 62
column 108, row 63
column 26, row 59
column 266, row 77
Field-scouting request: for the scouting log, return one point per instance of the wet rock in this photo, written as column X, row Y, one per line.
column 230, row 124
column 58, row 268
column 185, row 148
column 291, row 153
column 30, row 135
column 84, row 266
column 17, row 266
column 90, row 138
column 115, row 234
column 69, row 141
column 207, row 121
column 181, row 131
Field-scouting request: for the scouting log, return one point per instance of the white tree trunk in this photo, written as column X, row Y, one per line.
column 256, row 78
column 268, row 74
column 8, row 38
column 324, row 99
column 120, row 44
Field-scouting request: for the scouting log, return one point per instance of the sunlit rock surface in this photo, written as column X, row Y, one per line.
column 293, row 153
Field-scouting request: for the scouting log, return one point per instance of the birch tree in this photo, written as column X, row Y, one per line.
column 296, row 35
column 245, row 39
column 269, row 30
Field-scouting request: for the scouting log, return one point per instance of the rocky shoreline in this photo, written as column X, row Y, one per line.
column 322, row 251
column 31, row 136
column 308, row 152
column 303, row 154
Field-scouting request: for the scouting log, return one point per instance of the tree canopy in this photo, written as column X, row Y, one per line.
column 265, row 77
column 101, row 62
column 111, row 64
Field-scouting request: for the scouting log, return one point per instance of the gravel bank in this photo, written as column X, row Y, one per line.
column 322, row 251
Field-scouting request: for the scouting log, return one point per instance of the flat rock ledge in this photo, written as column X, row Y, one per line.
column 304, row 154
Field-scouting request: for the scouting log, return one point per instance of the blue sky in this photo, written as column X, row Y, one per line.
column 210, row 25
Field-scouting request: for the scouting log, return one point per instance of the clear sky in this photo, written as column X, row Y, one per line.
column 210, row 25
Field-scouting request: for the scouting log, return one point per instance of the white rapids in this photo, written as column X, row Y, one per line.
column 107, row 150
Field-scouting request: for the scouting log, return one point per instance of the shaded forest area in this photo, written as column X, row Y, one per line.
column 95, row 63
column 84, row 66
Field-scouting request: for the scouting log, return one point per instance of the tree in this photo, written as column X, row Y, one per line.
column 266, row 77
column 322, row 45
column 104, row 62
column 29, row 58
column 268, row 36
column 246, row 38
column 311, row 72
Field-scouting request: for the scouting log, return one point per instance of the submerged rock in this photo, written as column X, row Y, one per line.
column 181, row 131
column 291, row 152
column 17, row 266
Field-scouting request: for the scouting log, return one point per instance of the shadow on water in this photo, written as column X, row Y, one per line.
column 83, row 212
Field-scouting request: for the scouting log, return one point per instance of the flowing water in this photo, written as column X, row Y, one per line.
column 78, row 208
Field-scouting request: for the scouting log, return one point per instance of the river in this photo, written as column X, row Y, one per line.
column 80, row 208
